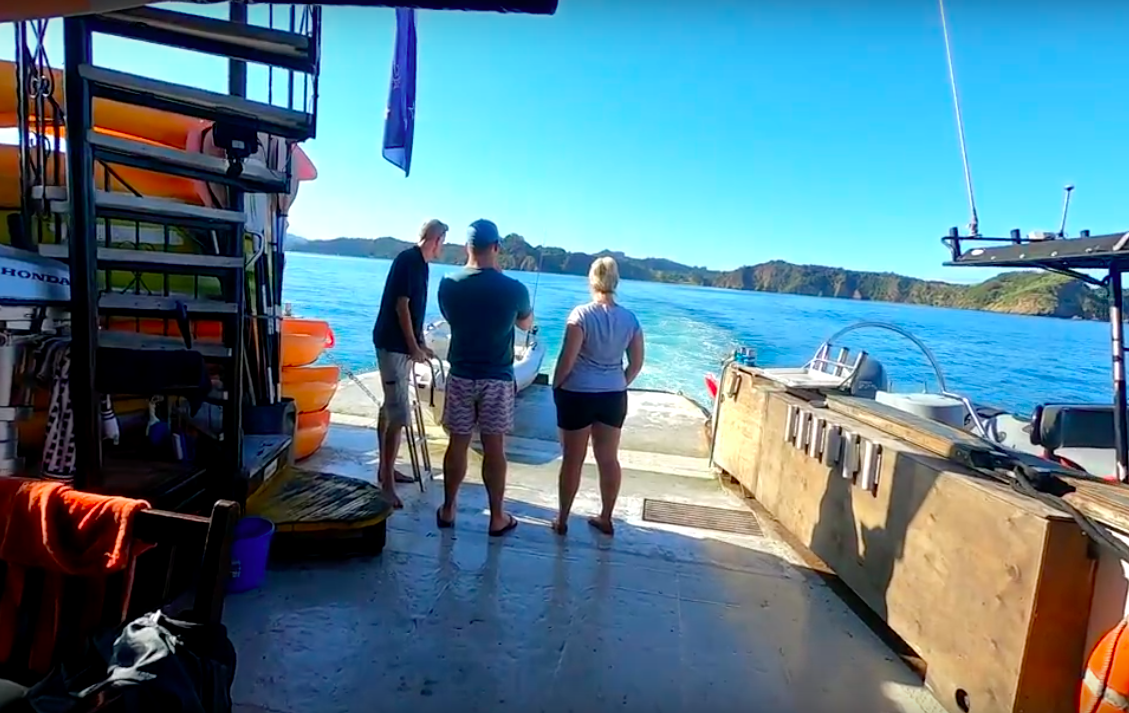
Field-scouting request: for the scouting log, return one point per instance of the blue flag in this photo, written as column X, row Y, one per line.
column 400, row 118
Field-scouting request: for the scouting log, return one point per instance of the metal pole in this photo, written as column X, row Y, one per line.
column 83, row 257
column 237, row 68
column 1117, row 338
column 24, row 61
column 233, row 409
column 1065, row 209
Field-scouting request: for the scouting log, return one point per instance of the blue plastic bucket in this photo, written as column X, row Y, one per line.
column 249, row 554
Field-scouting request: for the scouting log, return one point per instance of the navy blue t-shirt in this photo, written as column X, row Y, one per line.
column 481, row 305
column 406, row 278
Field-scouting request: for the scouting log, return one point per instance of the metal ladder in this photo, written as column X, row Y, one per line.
column 237, row 123
column 415, row 431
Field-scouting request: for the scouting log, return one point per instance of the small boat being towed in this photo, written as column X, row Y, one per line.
column 1077, row 436
column 529, row 356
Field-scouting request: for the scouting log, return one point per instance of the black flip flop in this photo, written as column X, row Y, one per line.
column 508, row 528
column 599, row 526
column 441, row 523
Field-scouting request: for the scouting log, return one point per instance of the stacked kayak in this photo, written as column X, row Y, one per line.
column 310, row 386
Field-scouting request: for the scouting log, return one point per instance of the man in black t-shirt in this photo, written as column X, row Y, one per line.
column 398, row 338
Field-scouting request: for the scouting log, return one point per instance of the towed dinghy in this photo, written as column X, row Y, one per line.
column 1075, row 436
column 529, row 356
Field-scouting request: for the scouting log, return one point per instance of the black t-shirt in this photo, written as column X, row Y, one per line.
column 406, row 278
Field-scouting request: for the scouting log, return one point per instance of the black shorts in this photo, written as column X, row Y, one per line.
column 580, row 409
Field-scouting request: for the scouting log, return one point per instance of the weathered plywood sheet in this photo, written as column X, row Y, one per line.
column 737, row 449
column 989, row 587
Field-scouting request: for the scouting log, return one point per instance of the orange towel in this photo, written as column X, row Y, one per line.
column 66, row 533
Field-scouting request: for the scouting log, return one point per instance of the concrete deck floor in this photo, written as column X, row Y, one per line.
column 657, row 619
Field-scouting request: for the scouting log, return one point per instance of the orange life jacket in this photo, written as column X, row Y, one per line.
column 1105, row 687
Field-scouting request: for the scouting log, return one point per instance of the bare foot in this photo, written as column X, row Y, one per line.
column 602, row 524
column 403, row 477
column 392, row 497
column 559, row 526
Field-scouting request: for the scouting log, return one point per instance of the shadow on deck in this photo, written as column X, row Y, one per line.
column 658, row 619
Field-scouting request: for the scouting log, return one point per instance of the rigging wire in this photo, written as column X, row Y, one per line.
column 973, row 220
column 537, row 280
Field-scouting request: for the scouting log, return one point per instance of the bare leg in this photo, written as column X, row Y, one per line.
column 605, row 446
column 574, row 445
column 454, row 471
column 388, row 434
column 494, row 478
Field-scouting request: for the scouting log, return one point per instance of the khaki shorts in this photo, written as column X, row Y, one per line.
column 395, row 379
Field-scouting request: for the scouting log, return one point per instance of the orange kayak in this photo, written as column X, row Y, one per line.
column 202, row 330
column 147, row 183
column 310, row 433
column 135, row 121
column 303, row 340
column 311, row 387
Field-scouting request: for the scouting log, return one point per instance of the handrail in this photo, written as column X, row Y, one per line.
column 897, row 330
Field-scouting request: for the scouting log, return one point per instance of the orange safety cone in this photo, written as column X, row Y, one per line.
column 1105, row 687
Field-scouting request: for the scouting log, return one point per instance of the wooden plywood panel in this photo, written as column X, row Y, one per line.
column 955, row 565
column 1060, row 621
column 740, row 418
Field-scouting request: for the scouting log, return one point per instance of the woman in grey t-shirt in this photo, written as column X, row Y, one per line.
column 590, row 390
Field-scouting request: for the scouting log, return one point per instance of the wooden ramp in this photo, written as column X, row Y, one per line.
column 322, row 514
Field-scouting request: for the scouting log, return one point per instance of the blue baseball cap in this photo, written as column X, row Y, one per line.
column 482, row 234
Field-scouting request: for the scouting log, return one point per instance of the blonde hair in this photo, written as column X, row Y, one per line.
column 432, row 229
column 603, row 276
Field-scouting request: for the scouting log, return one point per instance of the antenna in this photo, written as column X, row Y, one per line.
column 973, row 220
column 1065, row 207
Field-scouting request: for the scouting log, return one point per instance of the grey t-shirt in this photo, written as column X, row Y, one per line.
column 608, row 329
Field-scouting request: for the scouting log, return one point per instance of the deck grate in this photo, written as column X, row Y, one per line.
column 740, row 522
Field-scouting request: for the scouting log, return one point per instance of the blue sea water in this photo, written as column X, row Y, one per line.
column 1009, row 361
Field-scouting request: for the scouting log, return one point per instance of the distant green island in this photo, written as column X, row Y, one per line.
column 1023, row 292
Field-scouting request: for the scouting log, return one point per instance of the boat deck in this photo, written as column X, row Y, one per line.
column 659, row 618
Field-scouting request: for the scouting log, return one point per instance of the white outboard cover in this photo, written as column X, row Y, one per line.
column 28, row 278
column 935, row 407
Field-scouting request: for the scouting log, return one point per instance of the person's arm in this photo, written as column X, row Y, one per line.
column 634, row 356
column 524, row 309
column 570, row 350
column 421, row 291
column 404, row 316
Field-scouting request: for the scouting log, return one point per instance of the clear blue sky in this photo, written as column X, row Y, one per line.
column 739, row 132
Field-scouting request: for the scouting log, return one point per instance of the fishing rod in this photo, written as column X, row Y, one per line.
column 533, row 302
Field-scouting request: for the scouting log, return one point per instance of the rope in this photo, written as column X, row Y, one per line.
column 973, row 221
column 1048, row 489
column 352, row 376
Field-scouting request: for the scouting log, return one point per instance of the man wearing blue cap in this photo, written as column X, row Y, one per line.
column 482, row 306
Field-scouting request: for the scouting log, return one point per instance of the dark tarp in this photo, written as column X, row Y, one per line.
column 528, row 7
column 13, row 10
